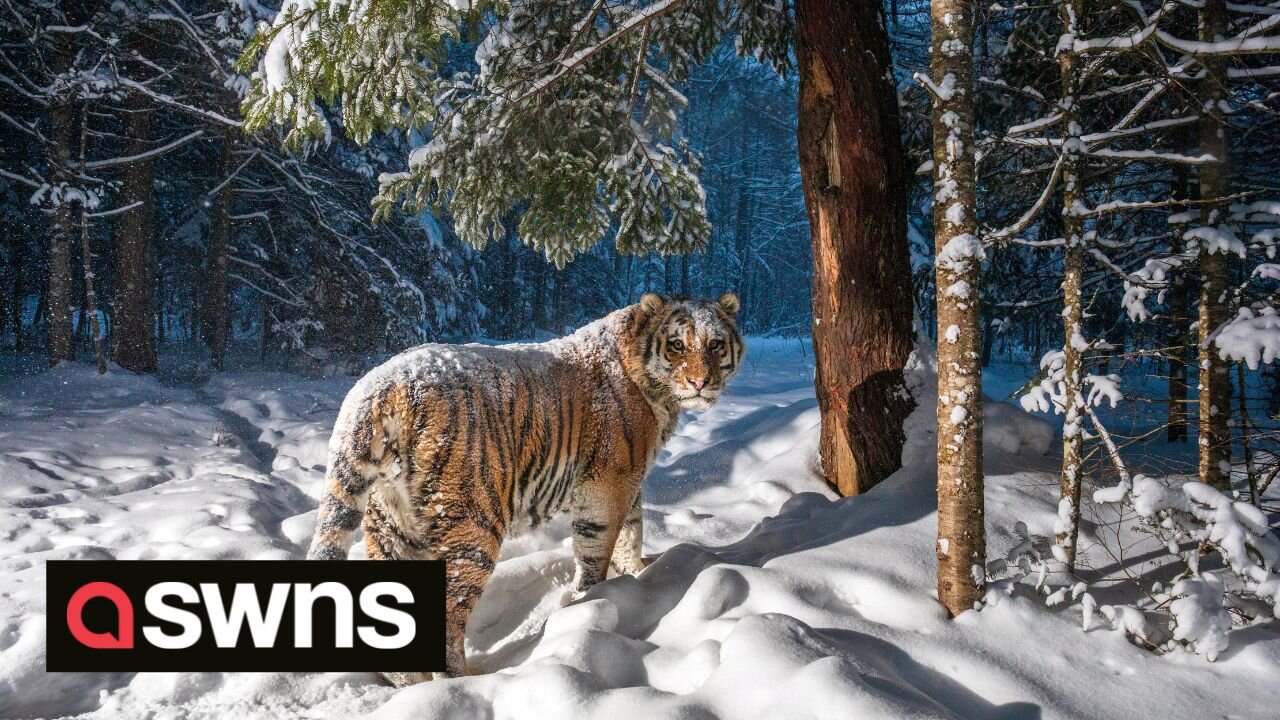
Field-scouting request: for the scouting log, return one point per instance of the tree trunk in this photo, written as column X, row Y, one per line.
column 1067, row 526
column 988, row 339
column 1215, row 382
column 961, row 547
column 16, row 295
column 538, row 305
column 851, row 166
column 1179, row 319
column 162, row 317
column 90, row 295
column 557, row 301
column 134, row 337
column 216, row 321
column 58, row 293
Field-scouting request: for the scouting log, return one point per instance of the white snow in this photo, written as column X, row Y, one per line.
column 959, row 251
column 771, row 598
column 1251, row 337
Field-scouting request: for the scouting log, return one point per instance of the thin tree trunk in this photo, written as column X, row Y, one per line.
column 557, row 302
column 1273, row 402
column 162, row 317
column 961, row 546
column 1250, row 469
column 10, row 278
column 134, row 337
column 90, row 296
column 16, row 295
column 81, row 334
column 1067, row 527
column 58, row 292
column 538, row 306
column 1215, row 382
column 216, row 320
column 1179, row 320
column 851, row 166
column 988, row 340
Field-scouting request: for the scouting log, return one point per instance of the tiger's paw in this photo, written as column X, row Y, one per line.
column 405, row 679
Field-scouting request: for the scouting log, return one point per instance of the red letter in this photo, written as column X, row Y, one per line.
column 123, row 639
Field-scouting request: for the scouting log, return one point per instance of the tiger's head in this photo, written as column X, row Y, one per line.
column 691, row 347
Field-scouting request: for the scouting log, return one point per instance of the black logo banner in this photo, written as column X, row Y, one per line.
column 244, row 615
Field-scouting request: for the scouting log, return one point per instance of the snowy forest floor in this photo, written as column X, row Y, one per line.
column 771, row 598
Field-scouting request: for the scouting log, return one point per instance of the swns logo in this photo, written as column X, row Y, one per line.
column 222, row 615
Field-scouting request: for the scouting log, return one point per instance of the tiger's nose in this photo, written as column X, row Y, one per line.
column 697, row 384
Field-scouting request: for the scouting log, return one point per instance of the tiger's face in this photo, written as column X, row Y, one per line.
column 694, row 347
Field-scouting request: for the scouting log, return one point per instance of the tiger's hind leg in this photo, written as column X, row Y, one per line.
column 469, row 552
column 469, row 548
column 385, row 540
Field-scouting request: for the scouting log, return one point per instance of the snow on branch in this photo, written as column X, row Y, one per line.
column 1196, row 514
column 1217, row 239
column 943, row 90
column 1251, row 337
column 1030, row 215
column 1153, row 155
column 20, row 178
column 1233, row 46
column 114, row 211
column 637, row 21
column 154, row 152
column 1050, row 395
column 172, row 102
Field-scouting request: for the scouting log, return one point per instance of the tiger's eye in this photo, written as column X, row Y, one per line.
column 677, row 345
column 715, row 345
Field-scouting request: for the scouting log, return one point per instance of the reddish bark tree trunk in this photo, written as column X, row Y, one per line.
column 851, row 166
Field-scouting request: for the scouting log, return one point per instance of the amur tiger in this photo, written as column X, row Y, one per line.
column 445, row 449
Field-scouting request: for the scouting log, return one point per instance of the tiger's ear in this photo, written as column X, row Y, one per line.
column 728, row 302
column 652, row 303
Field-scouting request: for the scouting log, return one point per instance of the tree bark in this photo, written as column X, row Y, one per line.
column 1179, row 319
column 216, row 321
column 961, row 546
column 134, row 345
column 58, row 290
column 851, row 166
column 1215, row 382
column 16, row 293
column 538, row 282
column 90, row 294
column 1067, row 527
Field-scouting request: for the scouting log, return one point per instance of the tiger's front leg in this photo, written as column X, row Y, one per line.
column 600, row 507
column 627, row 551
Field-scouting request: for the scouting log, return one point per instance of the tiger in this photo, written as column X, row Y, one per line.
column 445, row 450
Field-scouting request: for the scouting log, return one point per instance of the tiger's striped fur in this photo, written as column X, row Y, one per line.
column 444, row 450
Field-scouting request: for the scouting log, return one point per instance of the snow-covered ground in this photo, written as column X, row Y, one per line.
column 771, row 598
